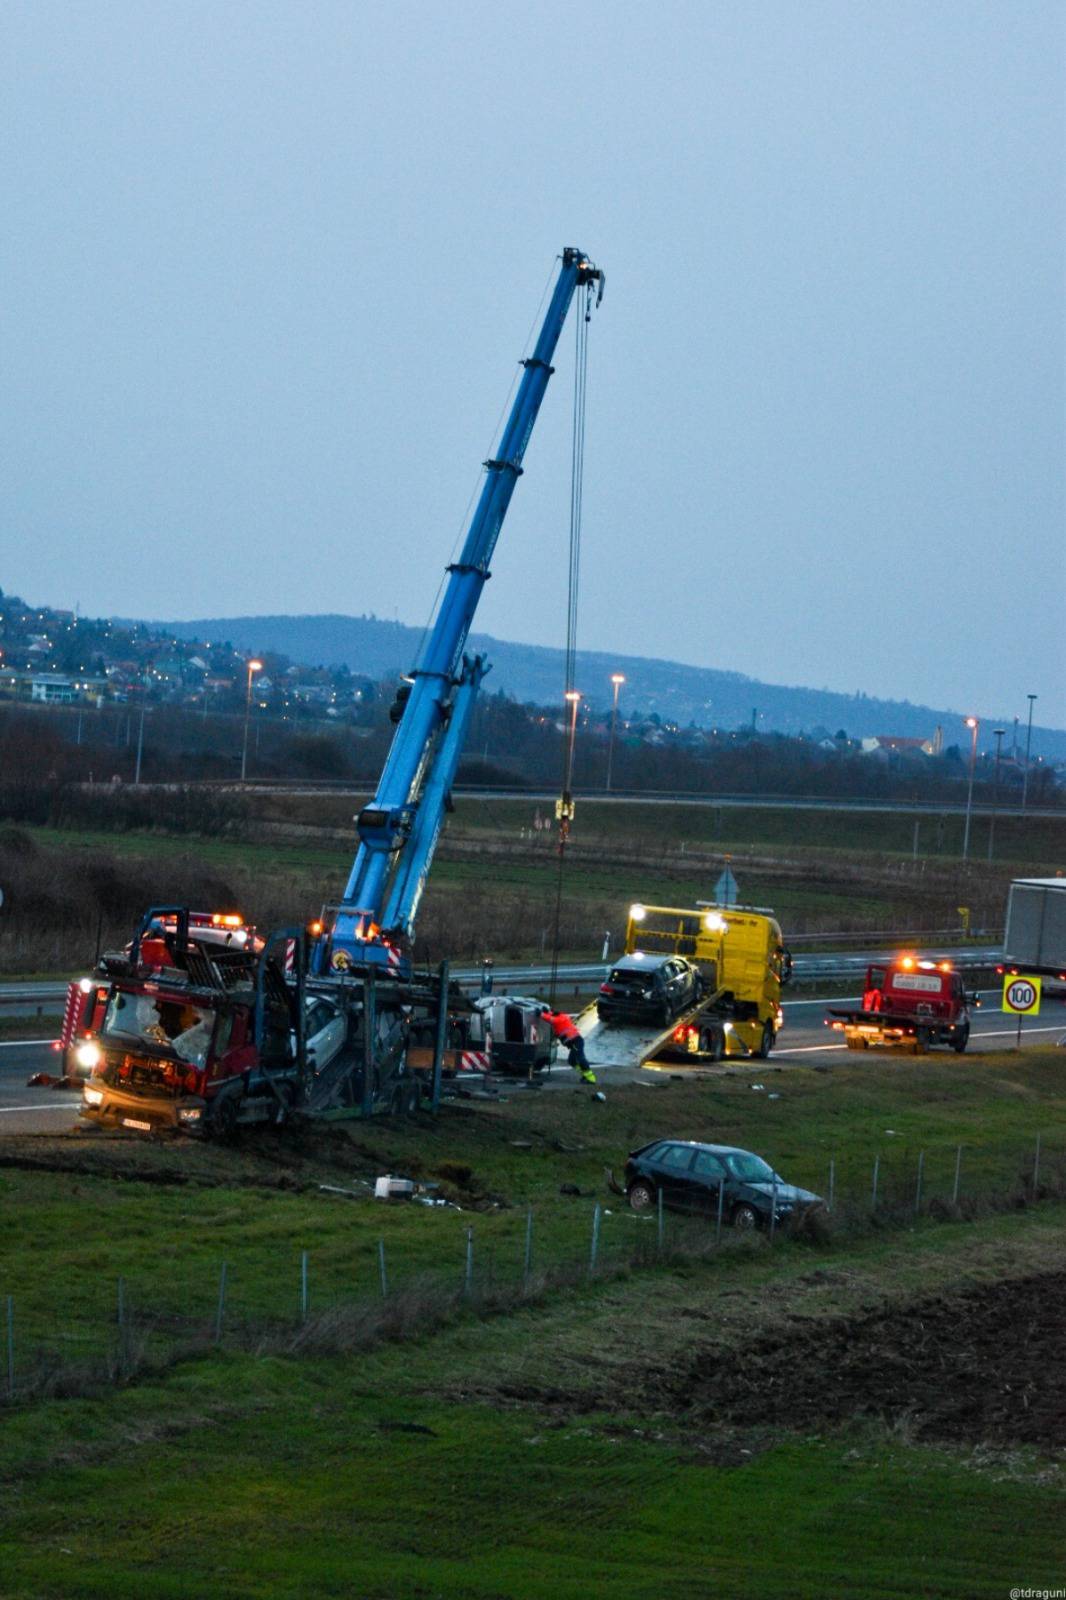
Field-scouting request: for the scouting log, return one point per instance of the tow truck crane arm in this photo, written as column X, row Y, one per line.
column 398, row 830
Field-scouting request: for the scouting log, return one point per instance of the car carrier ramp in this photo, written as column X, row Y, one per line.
column 614, row 1044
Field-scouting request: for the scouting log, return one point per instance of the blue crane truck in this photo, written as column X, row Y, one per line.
column 186, row 1035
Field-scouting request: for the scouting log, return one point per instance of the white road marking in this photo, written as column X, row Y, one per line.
column 806, row 1049
column 18, row 1044
column 834, row 1000
column 999, row 1033
column 978, row 1033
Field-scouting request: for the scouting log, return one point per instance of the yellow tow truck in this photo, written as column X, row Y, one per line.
column 741, row 956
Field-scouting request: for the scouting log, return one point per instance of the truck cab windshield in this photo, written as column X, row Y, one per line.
column 157, row 1023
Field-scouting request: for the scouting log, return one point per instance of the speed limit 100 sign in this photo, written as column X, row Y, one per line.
column 1021, row 996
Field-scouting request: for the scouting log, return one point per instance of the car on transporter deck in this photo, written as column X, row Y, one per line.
column 649, row 988
column 689, row 1176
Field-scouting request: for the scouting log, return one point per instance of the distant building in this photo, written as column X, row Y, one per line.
column 54, row 688
column 895, row 744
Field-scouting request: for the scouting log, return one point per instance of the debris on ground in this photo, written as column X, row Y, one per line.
column 389, row 1188
column 49, row 1080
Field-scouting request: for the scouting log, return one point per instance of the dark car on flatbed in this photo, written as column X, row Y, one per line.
column 649, row 988
column 690, row 1175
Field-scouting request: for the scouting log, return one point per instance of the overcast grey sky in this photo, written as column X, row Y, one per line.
column 269, row 266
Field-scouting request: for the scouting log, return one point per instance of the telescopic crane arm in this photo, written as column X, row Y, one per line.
column 398, row 830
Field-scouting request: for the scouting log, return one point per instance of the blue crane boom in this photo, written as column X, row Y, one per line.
column 398, row 830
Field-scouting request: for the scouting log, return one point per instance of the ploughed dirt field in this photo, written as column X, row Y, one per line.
column 983, row 1365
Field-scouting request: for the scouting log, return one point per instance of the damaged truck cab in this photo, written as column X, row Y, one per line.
column 193, row 1036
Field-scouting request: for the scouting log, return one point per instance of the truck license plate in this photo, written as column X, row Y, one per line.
column 142, row 1127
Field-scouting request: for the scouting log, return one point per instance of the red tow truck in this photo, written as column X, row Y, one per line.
column 910, row 1000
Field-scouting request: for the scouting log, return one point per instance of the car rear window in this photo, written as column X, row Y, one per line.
column 628, row 978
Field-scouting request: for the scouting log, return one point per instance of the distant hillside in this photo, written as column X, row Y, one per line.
column 703, row 695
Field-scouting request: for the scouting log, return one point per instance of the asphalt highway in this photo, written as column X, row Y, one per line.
column 804, row 1041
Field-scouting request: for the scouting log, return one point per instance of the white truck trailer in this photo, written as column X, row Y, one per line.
column 1035, row 938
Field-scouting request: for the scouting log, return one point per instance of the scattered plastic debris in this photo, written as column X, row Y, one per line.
column 758, row 1086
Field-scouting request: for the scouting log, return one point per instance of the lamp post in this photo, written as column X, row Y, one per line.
column 617, row 678
column 140, row 731
column 1028, row 746
column 972, row 724
column 253, row 666
column 573, row 698
column 998, row 735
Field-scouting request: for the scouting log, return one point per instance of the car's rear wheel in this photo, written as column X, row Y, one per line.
column 641, row 1195
column 745, row 1218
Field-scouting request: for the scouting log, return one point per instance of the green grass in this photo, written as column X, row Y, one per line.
column 168, row 1241
column 731, row 828
column 242, row 1476
column 282, row 1484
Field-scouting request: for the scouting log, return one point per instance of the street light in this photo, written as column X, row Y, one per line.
column 972, row 724
column 617, row 678
column 998, row 735
column 1028, row 743
column 140, row 731
column 253, row 666
column 573, row 696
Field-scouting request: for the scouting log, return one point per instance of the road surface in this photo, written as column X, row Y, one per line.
column 804, row 1042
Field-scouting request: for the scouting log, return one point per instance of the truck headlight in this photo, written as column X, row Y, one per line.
column 189, row 1114
column 88, row 1055
column 92, row 1097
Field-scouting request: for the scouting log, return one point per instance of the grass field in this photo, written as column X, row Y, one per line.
column 592, row 1432
column 182, row 1208
column 1030, row 843
column 495, row 880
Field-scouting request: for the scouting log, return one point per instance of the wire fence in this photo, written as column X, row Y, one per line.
column 88, row 1331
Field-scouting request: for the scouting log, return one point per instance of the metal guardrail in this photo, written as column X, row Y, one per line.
column 808, row 966
column 925, row 937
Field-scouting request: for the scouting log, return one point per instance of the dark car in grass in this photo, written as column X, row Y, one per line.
column 648, row 988
column 690, row 1175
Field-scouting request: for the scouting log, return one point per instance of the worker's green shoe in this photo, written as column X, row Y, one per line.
column 587, row 1075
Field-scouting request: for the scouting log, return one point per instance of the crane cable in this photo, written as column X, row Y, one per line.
column 577, row 483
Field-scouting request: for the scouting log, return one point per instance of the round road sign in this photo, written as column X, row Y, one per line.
column 1021, row 995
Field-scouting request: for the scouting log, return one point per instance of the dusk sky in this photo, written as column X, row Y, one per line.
column 269, row 267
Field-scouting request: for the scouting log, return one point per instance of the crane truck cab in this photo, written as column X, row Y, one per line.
column 908, row 1001
column 743, row 963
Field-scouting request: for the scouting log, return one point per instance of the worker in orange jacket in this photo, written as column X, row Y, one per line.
column 564, row 1030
